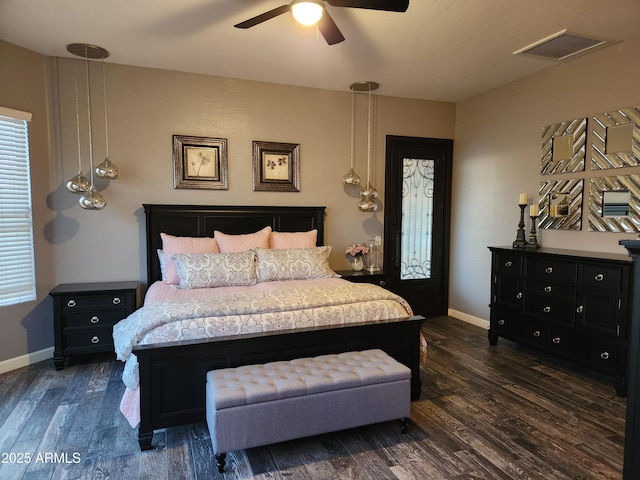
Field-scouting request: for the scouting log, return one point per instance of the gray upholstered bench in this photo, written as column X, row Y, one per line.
column 257, row 405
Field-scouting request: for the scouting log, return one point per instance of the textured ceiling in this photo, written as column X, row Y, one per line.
column 439, row 49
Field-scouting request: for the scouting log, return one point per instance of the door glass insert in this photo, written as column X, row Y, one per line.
column 417, row 218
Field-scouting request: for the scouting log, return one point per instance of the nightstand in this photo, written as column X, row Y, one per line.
column 84, row 315
column 364, row 276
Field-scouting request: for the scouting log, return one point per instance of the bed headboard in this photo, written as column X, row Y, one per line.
column 202, row 220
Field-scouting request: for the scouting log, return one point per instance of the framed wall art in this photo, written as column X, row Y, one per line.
column 276, row 167
column 200, row 162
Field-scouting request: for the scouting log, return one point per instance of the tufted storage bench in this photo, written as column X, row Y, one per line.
column 256, row 405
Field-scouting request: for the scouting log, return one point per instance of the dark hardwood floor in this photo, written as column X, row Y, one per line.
column 502, row 412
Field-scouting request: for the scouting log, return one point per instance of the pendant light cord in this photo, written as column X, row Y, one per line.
column 106, row 125
column 353, row 127
column 75, row 76
column 369, row 143
column 89, row 116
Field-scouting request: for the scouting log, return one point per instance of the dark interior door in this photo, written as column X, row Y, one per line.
column 417, row 220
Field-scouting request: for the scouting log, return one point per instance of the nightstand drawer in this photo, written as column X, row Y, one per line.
column 77, row 302
column 98, row 340
column 94, row 318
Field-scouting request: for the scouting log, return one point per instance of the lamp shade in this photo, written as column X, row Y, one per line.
column 307, row 12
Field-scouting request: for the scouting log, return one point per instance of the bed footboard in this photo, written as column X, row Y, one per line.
column 172, row 376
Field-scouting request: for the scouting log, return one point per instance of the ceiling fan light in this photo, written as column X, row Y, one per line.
column 307, row 12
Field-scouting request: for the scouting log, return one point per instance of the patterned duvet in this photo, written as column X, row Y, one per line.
column 269, row 306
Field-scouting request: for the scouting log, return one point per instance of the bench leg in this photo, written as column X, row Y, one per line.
column 403, row 425
column 220, row 461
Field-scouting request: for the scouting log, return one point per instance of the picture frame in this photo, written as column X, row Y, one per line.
column 200, row 162
column 276, row 167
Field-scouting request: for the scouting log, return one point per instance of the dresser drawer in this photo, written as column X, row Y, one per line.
column 552, row 270
column 94, row 318
column 601, row 276
column 509, row 263
column 96, row 340
column 549, row 288
column 511, row 324
column 593, row 350
column 551, row 308
column 77, row 302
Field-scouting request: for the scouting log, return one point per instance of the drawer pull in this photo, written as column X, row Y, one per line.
column 548, row 270
column 546, row 309
column 519, row 295
column 116, row 300
column 537, row 333
column 500, row 322
column 556, row 340
column 547, row 289
column 94, row 319
column 604, row 355
column 95, row 339
column 580, row 309
column 599, row 277
column 71, row 303
column 382, row 283
column 508, row 264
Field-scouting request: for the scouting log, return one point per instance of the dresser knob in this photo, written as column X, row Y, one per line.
column 95, row 339
column 548, row 270
column 508, row 264
column 546, row 309
column 116, row 300
column 556, row 340
column 94, row 319
column 547, row 289
column 71, row 303
column 599, row 277
column 500, row 322
column 604, row 355
column 519, row 295
column 382, row 283
column 580, row 309
column 537, row 333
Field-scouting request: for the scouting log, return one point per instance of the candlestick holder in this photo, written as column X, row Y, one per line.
column 521, row 241
column 533, row 238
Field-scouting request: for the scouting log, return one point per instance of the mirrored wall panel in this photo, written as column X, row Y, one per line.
column 563, row 147
column 614, row 204
column 560, row 204
column 615, row 139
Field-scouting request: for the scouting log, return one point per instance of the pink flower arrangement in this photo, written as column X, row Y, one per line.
column 356, row 250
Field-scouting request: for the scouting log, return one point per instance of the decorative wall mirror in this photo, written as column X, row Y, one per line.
column 615, row 139
column 563, row 147
column 614, row 204
column 560, row 204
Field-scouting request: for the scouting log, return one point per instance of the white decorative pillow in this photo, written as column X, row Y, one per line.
column 293, row 239
column 293, row 264
column 208, row 270
column 239, row 243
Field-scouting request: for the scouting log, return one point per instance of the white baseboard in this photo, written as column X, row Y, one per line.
column 465, row 317
column 24, row 360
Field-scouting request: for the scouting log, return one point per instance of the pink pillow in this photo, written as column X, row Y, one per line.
column 241, row 243
column 172, row 245
column 280, row 240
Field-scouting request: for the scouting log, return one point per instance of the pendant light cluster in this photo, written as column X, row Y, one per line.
column 368, row 194
column 90, row 197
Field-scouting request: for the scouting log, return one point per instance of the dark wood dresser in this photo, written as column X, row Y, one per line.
column 84, row 315
column 572, row 303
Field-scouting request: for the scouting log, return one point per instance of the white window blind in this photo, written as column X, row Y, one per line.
column 17, row 269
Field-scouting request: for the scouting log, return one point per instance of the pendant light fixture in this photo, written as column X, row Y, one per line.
column 107, row 169
column 368, row 194
column 351, row 177
column 91, row 199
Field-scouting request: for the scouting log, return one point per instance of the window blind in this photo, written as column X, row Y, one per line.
column 17, row 269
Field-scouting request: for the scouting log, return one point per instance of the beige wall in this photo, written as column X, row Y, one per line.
column 497, row 156
column 146, row 107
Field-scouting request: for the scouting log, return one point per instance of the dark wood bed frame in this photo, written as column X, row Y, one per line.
column 172, row 375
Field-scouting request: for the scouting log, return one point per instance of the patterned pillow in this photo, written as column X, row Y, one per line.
column 240, row 243
column 293, row 264
column 207, row 270
column 293, row 239
column 172, row 245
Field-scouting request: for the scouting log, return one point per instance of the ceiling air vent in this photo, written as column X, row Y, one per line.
column 563, row 45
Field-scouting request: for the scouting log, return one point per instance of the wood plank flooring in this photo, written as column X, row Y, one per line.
column 502, row 412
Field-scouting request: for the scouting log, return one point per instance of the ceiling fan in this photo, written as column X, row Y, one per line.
column 320, row 15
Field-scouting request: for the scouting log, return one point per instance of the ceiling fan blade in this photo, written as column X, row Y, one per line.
column 329, row 29
column 263, row 17
column 386, row 5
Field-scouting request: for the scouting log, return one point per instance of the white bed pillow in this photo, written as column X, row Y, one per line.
column 293, row 264
column 293, row 239
column 210, row 270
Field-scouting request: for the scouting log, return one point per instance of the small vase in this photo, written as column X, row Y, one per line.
column 357, row 264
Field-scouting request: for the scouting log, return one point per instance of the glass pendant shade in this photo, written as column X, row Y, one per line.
column 367, row 205
column 369, row 192
column 78, row 184
column 92, row 200
column 351, row 178
column 107, row 169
